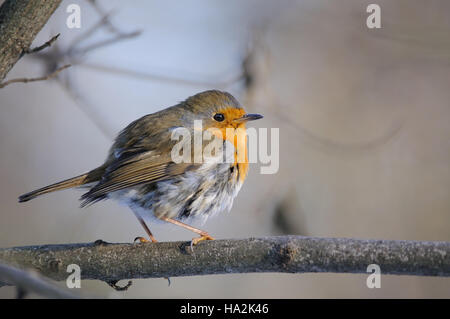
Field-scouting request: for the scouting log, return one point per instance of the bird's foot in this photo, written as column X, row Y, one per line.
column 145, row 240
column 203, row 236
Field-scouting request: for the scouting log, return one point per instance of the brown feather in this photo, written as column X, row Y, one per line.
column 89, row 177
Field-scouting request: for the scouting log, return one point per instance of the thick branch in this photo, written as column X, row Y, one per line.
column 291, row 254
column 20, row 22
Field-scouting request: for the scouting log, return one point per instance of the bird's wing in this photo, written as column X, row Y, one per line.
column 144, row 168
column 141, row 162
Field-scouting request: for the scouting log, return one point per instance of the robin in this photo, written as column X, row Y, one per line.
column 140, row 170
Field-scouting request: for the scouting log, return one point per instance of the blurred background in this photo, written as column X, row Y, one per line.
column 364, row 119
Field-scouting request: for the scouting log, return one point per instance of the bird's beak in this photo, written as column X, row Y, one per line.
column 248, row 117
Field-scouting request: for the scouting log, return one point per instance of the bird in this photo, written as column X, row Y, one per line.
column 141, row 172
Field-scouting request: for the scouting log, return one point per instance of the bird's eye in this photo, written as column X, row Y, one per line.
column 219, row 117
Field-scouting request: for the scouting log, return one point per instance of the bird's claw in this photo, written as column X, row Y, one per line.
column 140, row 240
column 143, row 240
column 202, row 237
column 113, row 284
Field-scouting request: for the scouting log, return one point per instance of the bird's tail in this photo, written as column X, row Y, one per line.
column 68, row 183
column 90, row 177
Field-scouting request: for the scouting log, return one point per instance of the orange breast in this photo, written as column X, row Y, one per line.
column 238, row 137
column 236, row 134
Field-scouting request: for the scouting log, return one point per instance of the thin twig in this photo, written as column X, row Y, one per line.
column 42, row 78
column 289, row 254
column 101, row 12
column 41, row 47
column 74, row 54
column 257, row 76
column 163, row 78
column 27, row 282
column 86, row 107
column 87, row 33
column 106, row 42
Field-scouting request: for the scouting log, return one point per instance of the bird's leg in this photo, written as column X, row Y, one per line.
column 203, row 234
column 143, row 240
column 147, row 230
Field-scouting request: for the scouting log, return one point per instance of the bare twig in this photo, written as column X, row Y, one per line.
column 41, row 47
column 163, row 78
column 334, row 145
column 291, row 254
column 74, row 54
column 87, row 34
column 101, row 12
column 85, row 106
column 258, row 72
column 75, row 51
column 107, row 42
column 31, row 282
column 42, row 78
